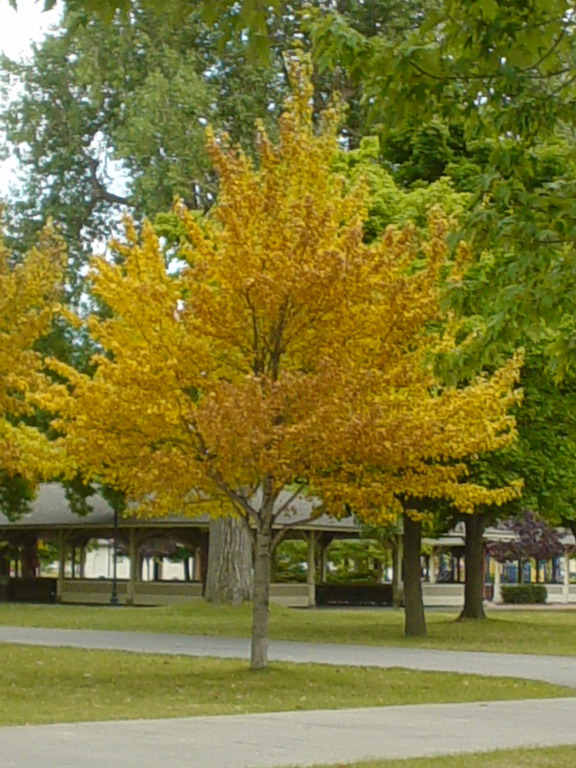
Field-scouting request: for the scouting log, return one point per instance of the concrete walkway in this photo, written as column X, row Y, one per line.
column 292, row 738
column 560, row 670
column 296, row 738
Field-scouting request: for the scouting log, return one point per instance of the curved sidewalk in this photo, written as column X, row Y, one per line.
column 560, row 670
column 296, row 738
column 292, row 738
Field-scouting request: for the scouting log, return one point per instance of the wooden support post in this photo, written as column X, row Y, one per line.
column 82, row 563
column 432, row 564
column 61, row 566
column 497, row 596
column 324, row 543
column 566, row 582
column 311, row 572
column 4, row 563
column 134, row 567
column 197, row 565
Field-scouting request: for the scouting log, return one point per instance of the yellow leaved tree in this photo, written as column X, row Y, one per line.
column 286, row 354
column 30, row 291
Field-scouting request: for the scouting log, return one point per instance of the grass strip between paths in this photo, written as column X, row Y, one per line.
column 49, row 685
column 551, row 757
column 536, row 632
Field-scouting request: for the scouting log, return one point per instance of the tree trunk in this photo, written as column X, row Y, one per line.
column 520, row 572
column 30, row 559
column 397, row 580
column 261, row 599
column 229, row 577
column 474, row 581
column 414, row 617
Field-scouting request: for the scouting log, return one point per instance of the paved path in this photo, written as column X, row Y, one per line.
column 560, row 670
column 296, row 738
column 292, row 738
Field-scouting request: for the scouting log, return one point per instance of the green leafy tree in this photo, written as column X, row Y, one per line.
column 543, row 457
column 502, row 76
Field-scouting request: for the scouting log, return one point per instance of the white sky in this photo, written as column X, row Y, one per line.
column 18, row 30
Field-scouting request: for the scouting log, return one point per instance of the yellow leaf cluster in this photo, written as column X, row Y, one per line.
column 30, row 292
column 285, row 350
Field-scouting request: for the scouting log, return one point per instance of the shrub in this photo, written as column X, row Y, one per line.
column 524, row 593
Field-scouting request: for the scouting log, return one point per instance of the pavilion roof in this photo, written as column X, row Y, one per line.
column 51, row 509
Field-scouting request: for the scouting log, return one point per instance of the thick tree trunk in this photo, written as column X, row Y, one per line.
column 414, row 617
column 474, row 581
column 229, row 577
column 261, row 599
column 30, row 559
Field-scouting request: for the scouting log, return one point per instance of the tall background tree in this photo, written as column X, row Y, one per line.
column 501, row 77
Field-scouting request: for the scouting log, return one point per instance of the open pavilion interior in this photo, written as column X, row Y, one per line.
column 138, row 561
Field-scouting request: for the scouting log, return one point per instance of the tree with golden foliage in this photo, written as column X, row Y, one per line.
column 286, row 354
column 30, row 291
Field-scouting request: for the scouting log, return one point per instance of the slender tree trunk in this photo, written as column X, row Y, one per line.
column 520, row 572
column 397, row 580
column 414, row 617
column 474, row 579
column 229, row 577
column 261, row 599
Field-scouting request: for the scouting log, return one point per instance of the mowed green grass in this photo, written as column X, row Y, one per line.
column 555, row 757
column 49, row 685
column 545, row 632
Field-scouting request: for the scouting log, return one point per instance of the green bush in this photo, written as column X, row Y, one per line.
column 524, row 593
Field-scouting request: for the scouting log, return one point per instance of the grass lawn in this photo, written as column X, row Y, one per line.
column 547, row 632
column 555, row 757
column 47, row 685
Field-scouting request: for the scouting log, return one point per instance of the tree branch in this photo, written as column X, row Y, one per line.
column 279, row 535
column 99, row 191
column 283, row 507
